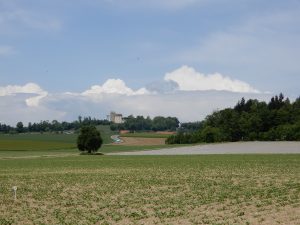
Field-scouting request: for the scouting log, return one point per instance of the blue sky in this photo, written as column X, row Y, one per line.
column 72, row 45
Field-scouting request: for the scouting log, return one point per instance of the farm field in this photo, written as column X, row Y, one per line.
column 143, row 138
column 46, row 141
column 106, row 149
column 206, row 189
column 106, row 133
column 37, row 141
column 30, row 145
column 146, row 135
column 140, row 141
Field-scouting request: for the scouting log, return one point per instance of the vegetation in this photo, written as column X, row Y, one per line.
column 19, row 152
column 278, row 120
column 54, row 126
column 46, row 140
column 191, row 126
column 106, row 133
column 37, row 141
column 105, row 149
column 140, row 123
column 89, row 139
column 212, row 189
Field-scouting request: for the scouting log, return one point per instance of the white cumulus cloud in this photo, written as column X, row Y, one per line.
column 113, row 86
column 29, row 88
column 188, row 79
column 174, row 95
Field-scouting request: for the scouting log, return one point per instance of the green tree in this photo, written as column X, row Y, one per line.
column 89, row 139
column 20, row 127
column 211, row 134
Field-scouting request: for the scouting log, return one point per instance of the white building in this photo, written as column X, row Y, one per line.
column 116, row 117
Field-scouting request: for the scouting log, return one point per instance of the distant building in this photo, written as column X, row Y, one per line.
column 116, row 117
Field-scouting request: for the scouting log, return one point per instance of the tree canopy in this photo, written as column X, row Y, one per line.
column 250, row 120
column 89, row 139
column 140, row 123
column 52, row 126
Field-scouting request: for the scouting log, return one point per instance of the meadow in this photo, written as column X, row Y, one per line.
column 38, row 144
column 37, row 141
column 46, row 141
column 28, row 145
column 207, row 189
column 106, row 148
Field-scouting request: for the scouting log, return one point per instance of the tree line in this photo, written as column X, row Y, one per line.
column 252, row 120
column 139, row 123
column 53, row 126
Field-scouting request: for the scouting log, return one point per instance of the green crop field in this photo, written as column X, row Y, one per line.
column 145, row 135
column 106, row 133
column 14, row 153
column 212, row 189
column 46, row 141
column 37, row 141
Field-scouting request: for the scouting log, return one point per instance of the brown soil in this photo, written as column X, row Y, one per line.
column 137, row 141
column 165, row 132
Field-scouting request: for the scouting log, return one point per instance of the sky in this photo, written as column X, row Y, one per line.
column 183, row 58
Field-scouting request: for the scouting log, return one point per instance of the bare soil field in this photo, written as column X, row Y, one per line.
column 226, row 148
column 220, row 189
column 139, row 141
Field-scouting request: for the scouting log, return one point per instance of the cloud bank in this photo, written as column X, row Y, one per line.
column 188, row 79
column 113, row 86
column 184, row 93
column 30, row 88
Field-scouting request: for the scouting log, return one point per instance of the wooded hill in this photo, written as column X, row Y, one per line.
column 248, row 121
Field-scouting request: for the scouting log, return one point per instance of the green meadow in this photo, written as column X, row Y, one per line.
column 37, row 141
column 45, row 141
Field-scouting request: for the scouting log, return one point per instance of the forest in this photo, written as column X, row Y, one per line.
column 251, row 120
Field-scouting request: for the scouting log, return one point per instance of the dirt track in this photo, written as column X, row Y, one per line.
column 226, row 148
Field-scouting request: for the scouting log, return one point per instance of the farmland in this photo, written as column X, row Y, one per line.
column 57, row 185
column 45, row 141
column 146, row 135
column 144, row 138
column 107, row 148
column 37, row 141
column 216, row 189
column 54, row 145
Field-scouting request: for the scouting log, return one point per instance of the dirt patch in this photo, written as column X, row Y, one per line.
column 245, row 214
column 166, row 132
column 137, row 141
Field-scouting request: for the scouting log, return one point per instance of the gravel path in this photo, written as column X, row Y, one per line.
column 225, row 148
